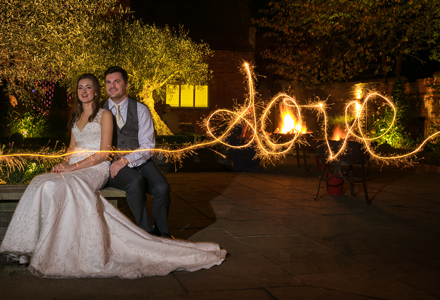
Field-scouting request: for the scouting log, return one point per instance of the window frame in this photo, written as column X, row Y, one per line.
column 193, row 96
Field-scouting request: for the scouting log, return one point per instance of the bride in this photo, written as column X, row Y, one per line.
column 63, row 227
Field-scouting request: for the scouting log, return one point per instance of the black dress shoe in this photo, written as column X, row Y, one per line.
column 155, row 232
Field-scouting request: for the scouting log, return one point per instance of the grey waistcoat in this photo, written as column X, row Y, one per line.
column 127, row 136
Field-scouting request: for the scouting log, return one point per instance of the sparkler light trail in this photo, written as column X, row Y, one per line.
column 221, row 123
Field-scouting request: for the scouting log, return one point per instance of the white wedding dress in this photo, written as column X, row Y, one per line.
column 63, row 227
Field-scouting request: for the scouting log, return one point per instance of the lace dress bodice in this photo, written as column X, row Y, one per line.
column 88, row 140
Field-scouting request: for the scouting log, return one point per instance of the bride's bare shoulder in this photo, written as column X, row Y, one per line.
column 106, row 114
column 106, row 118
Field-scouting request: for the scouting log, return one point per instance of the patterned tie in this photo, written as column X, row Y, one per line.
column 119, row 120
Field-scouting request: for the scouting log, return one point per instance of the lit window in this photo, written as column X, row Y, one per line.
column 186, row 95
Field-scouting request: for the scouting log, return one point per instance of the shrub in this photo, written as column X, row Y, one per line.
column 398, row 136
column 21, row 170
column 30, row 124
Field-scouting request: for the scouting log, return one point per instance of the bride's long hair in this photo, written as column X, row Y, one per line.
column 78, row 108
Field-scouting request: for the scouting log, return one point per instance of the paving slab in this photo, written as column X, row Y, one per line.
column 310, row 292
column 371, row 284
column 281, row 243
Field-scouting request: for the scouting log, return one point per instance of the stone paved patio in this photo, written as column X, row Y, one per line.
column 282, row 244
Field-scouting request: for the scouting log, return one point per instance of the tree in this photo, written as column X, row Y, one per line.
column 153, row 58
column 320, row 41
column 39, row 39
column 160, row 56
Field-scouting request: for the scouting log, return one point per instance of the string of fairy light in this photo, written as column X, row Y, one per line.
column 221, row 124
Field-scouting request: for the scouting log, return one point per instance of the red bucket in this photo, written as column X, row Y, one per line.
column 335, row 185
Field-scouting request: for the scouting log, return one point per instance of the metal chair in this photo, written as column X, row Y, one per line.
column 354, row 155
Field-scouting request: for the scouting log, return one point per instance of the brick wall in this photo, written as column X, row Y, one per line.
column 228, row 84
column 423, row 99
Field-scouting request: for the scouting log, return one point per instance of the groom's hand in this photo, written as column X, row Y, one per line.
column 116, row 166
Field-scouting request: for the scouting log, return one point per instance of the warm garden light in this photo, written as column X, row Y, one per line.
column 358, row 109
column 358, row 91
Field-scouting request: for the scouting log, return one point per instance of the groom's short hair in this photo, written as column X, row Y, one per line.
column 114, row 69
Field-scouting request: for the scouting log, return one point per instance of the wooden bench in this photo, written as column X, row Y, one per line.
column 13, row 193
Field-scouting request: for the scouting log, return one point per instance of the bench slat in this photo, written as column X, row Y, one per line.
column 14, row 192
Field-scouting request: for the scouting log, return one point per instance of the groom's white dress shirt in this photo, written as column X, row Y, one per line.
column 145, row 133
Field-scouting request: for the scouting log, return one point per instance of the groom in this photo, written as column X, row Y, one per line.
column 135, row 172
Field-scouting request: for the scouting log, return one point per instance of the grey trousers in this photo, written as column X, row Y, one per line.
column 137, row 182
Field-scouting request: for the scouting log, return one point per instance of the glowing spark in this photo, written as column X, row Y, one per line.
column 266, row 144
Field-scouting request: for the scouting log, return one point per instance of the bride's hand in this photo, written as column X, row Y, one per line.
column 62, row 167
column 116, row 166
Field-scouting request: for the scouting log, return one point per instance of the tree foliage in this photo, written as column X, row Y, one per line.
column 58, row 40
column 40, row 39
column 321, row 41
column 152, row 56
